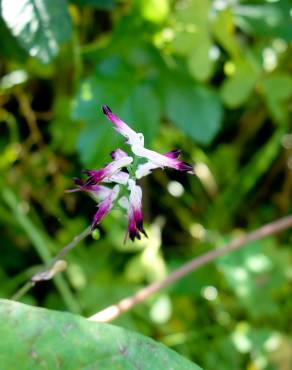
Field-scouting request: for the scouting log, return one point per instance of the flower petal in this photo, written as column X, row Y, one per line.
column 105, row 206
column 159, row 160
column 118, row 153
column 135, row 218
column 145, row 169
column 175, row 153
column 98, row 192
column 120, row 177
column 97, row 176
column 133, row 138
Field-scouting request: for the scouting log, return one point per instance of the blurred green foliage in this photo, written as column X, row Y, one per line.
column 210, row 77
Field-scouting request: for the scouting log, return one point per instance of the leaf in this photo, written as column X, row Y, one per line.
column 38, row 338
column 224, row 31
column 97, row 138
column 278, row 92
column 191, row 22
column 138, row 105
column 194, row 109
column 237, row 89
column 267, row 20
column 38, row 25
column 142, row 109
column 199, row 62
column 8, row 44
column 256, row 274
column 102, row 4
column 154, row 10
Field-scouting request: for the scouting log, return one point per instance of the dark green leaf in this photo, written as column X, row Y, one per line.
column 271, row 20
column 36, row 338
column 102, row 4
column 8, row 44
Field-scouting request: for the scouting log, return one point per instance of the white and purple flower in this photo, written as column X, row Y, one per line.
column 135, row 218
column 124, row 171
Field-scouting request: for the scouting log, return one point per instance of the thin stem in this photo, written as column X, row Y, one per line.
column 23, row 290
column 112, row 312
column 45, row 274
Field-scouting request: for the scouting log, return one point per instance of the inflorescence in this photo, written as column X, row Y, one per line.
column 123, row 171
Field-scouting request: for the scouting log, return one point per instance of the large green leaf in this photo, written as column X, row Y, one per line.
column 196, row 110
column 38, row 25
column 37, row 338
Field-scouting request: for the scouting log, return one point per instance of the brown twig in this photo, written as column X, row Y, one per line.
column 54, row 266
column 113, row 311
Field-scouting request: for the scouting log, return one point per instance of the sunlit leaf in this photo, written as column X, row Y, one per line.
column 154, row 10
column 38, row 25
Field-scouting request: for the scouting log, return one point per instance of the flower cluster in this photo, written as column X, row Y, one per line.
column 123, row 171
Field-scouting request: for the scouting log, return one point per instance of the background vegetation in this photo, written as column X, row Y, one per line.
column 210, row 77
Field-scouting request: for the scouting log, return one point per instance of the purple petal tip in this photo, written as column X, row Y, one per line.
column 106, row 109
column 183, row 166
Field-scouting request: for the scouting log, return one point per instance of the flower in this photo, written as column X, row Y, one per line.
column 105, row 206
column 135, row 218
column 123, row 171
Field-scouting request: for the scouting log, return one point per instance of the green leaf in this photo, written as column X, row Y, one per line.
column 237, row 89
column 195, row 110
column 224, row 31
column 199, row 62
column 142, row 110
column 256, row 274
column 38, row 25
column 36, row 338
column 102, row 4
column 191, row 22
column 278, row 92
column 138, row 105
column 267, row 20
column 95, row 142
column 97, row 138
column 8, row 44
column 154, row 10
